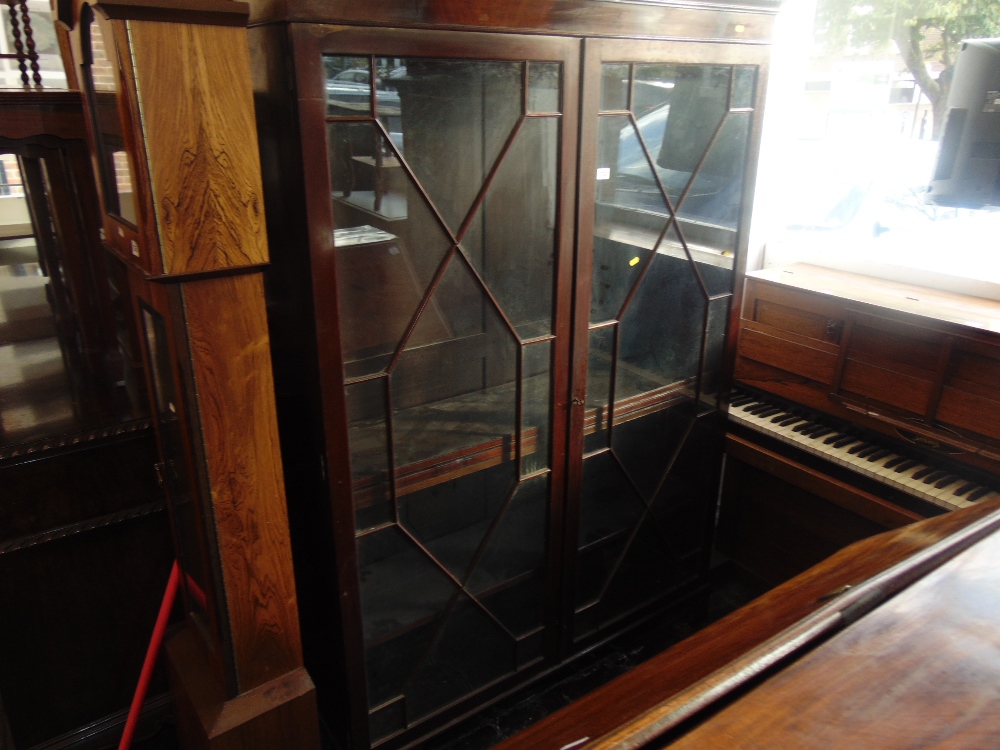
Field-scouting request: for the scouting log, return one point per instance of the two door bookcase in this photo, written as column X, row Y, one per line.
column 504, row 255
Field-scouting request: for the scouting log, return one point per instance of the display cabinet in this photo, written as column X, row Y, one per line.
column 506, row 245
column 169, row 103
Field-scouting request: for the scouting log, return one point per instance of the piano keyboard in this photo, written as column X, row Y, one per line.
column 932, row 485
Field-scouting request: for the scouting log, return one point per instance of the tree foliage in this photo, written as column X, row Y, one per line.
column 926, row 33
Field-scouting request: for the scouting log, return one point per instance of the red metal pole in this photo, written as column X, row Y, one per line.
column 154, row 648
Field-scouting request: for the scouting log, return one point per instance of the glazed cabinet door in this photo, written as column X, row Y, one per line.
column 667, row 139
column 441, row 219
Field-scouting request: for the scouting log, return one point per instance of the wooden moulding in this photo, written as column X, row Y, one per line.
column 213, row 12
column 201, row 144
column 30, row 114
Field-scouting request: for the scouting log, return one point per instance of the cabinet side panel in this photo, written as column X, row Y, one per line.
column 195, row 99
column 230, row 358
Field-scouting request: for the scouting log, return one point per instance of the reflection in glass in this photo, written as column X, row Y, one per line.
column 544, row 87
column 455, row 116
column 614, row 87
column 369, row 443
column 536, row 412
column 511, row 240
column 716, row 192
column 388, row 246
column 744, row 83
column 348, row 86
column 101, row 76
column 600, row 356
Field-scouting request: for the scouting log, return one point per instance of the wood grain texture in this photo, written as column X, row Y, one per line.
column 231, row 363
column 752, row 22
column 197, row 110
column 280, row 713
column 714, row 647
column 922, row 670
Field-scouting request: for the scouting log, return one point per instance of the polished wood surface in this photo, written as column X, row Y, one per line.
column 684, row 665
column 916, row 364
column 920, row 671
column 752, row 22
column 229, row 352
column 57, row 114
column 198, row 126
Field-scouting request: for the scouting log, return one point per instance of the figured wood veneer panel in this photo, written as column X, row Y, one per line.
column 802, row 322
column 815, row 364
column 893, row 388
column 231, row 362
column 196, row 102
column 969, row 411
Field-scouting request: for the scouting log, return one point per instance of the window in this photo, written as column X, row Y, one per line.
column 849, row 146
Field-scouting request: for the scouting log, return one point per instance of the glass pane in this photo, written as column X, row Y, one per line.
column 544, row 87
column 387, row 719
column 511, row 240
column 454, row 393
column 390, row 70
column 683, row 507
column 536, row 412
column 348, row 86
column 389, row 245
column 716, row 193
column 654, row 87
column 647, row 443
column 699, row 100
column 715, row 347
column 609, row 510
column 454, row 117
column 744, row 84
column 451, row 519
column 472, row 652
column 510, row 578
column 369, row 443
column 614, row 86
column 599, row 360
column 116, row 175
column 661, row 332
column 403, row 596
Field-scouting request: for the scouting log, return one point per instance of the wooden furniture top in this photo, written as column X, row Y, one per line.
column 920, row 670
column 688, row 667
column 30, row 114
column 946, row 307
column 748, row 21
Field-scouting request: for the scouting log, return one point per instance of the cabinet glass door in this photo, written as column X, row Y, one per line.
column 665, row 150
column 445, row 178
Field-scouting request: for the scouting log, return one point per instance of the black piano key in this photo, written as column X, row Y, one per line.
column 833, row 437
column 934, row 476
column 894, row 462
column 906, row 465
column 855, row 449
column 978, row 494
column 965, row 488
column 780, row 418
column 768, row 412
column 846, row 440
column 923, row 472
column 948, row 479
column 755, row 410
column 867, row 451
column 820, row 432
column 805, row 427
column 739, row 401
column 789, row 421
column 880, row 453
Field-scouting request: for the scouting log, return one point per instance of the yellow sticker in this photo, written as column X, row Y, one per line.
column 634, row 261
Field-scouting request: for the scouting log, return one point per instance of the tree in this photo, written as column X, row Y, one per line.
column 926, row 34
